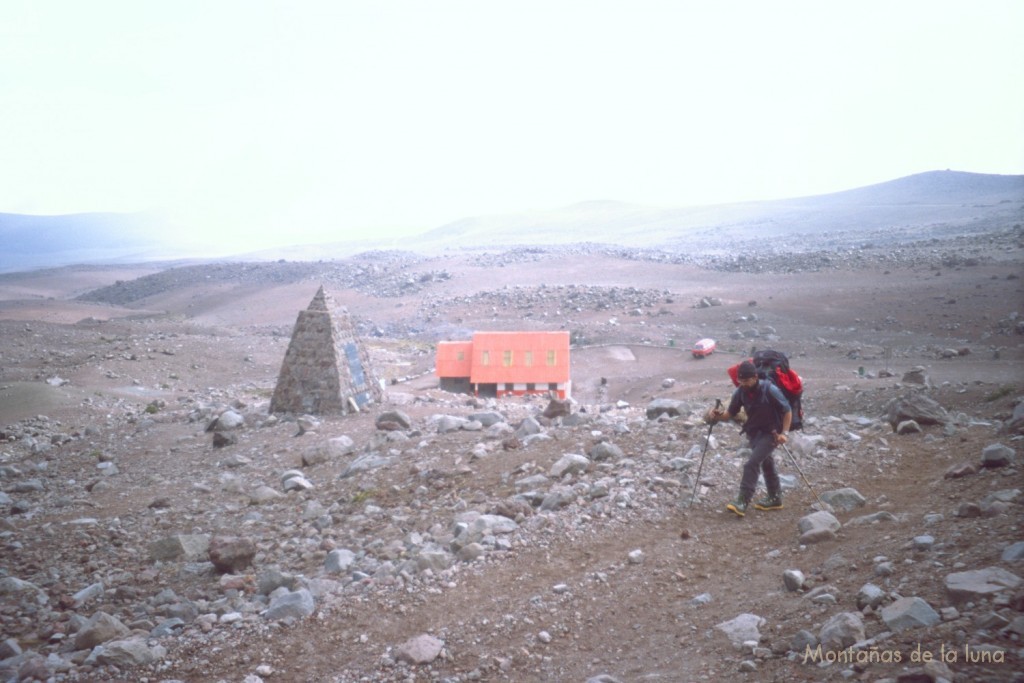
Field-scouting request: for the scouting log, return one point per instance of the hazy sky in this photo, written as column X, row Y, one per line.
column 342, row 119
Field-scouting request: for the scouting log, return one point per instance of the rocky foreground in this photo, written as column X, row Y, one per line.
column 205, row 540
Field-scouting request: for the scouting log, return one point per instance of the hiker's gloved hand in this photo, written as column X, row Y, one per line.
column 715, row 416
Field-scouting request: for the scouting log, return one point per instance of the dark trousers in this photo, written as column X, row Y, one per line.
column 762, row 445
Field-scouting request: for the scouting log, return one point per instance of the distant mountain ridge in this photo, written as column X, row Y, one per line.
column 934, row 203
column 44, row 241
column 902, row 208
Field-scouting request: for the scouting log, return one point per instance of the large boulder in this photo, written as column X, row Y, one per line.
column 422, row 649
column 391, row 420
column 817, row 527
column 98, row 629
column 287, row 604
column 1015, row 425
column 997, row 455
column 231, row 554
column 845, row 499
column 742, row 629
column 606, row 450
column 665, row 406
column 558, row 407
column 226, row 421
column 488, row 418
column 184, row 547
column 916, row 407
column 841, row 631
column 917, row 375
column 977, row 584
column 570, row 463
column 910, row 612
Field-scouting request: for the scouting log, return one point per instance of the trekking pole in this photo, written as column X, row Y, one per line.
column 792, row 458
column 707, row 440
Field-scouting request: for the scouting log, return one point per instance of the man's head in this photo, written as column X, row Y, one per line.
column 747, row 374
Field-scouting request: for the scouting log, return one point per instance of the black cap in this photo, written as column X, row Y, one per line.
column 746, row 370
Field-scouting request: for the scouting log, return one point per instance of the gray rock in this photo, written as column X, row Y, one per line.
column 606, row 450
column 231, row 554
column 334, row 448
column 223, row 439
column 9, row 648
column 262, row 495
column 802, row 640
column 923, row 542
column 272, row 578
column 908, row 427
column 449, row 423
column 129, row 652
column 906, row 613
column 528, row 427
column 665, row 406
column 297, row 483
column 557, row 498
column 818, row 527
column 1008, row 496
column 227, row 421
column 702, row 599
column 488, row 418
column 391, row 418
column 470, row 552
column 422, row 649
column 307, row 424
column 28, row 486
column 997, row 455
column 1014, row 552
column 793, row 579
column 186, row 547
column 434, row 558
column 873, row 518
column 959, row 471
column 570, row 463
column 841, row 631
column 917, row 375
column 1015, row 425
column 845, row 499
column 557, row 407
column 168, row 627
column 534, row 481
column 365, row 463
column 917, row 407
column 742, row 629
column 88, row 593
column 100, row 628
column 870, row 595
column 339, row 561
column 290, row 604
column 968, row 510
column 575, row 420
column 979, row 583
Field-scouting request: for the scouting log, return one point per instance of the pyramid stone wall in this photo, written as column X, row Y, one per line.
column 326, row 370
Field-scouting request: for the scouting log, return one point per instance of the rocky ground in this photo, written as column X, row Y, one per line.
column 484, row 540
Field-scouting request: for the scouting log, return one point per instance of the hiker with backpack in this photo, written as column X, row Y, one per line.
column 769, row 419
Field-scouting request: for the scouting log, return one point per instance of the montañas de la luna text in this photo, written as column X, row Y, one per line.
column 879, row 655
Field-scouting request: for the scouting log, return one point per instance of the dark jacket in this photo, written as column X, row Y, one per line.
column 764, row 404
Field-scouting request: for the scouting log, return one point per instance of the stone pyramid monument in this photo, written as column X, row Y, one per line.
column 326, row 370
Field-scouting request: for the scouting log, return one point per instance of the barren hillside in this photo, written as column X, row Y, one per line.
column 484, row 541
